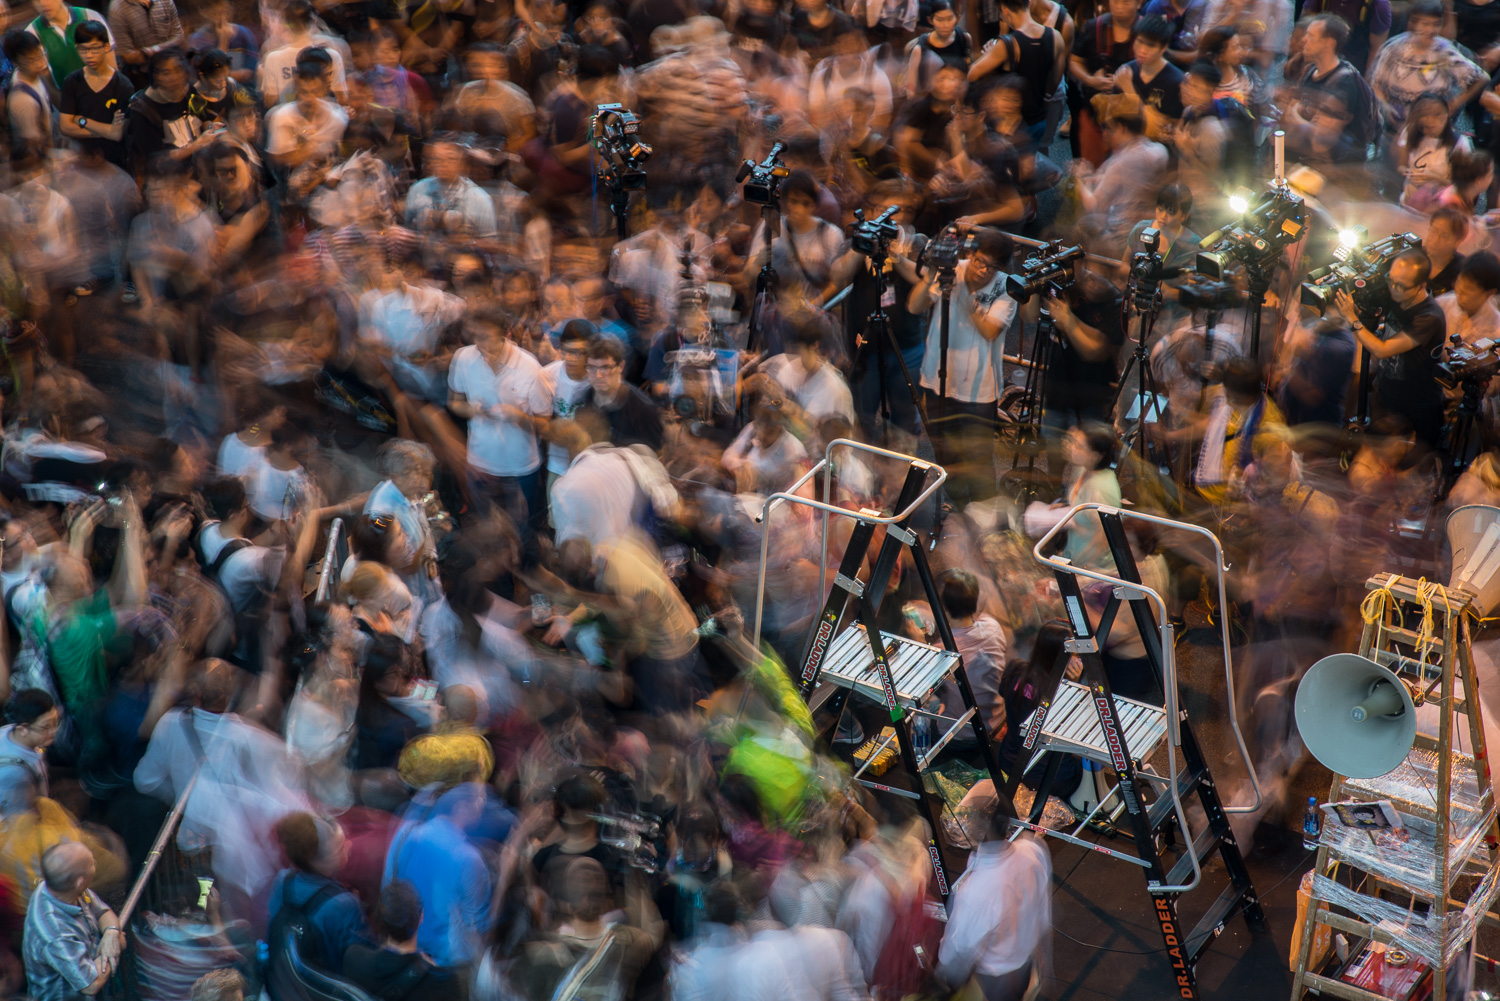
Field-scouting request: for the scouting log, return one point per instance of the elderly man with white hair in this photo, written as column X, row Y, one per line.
column 407, row 467
column 73, row 939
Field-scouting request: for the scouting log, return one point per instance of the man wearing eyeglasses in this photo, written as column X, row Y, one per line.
column 1406, row 380
column 963, row 414
column 33, row 720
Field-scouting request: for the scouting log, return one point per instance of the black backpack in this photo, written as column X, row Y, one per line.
column 294, row 946
column 249, row 622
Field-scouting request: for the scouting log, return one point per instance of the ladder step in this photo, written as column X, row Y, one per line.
column 1187, row 781
column 1212, row 923
column 1203, row 846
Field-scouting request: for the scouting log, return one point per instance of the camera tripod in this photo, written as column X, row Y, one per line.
column 1028, row 437
column 1148, row 394
column 1459, row 436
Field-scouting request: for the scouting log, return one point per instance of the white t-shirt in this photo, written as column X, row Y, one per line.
column 287, row 128
column 278, row 68
column 975, row 365
column 823, row 393
column 566, row 395
column 238, row 459
column 497, row 446
column 244, row 572
column 597, row 498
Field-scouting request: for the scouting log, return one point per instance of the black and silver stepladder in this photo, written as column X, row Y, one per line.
column 897, row 672
column 1085, row 718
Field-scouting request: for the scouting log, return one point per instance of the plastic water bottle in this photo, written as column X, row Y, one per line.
column 1312, row 824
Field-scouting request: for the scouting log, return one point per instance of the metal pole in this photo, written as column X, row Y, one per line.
column 156, row 849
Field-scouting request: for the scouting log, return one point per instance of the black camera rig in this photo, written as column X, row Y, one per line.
column 762, row 181
column 1360, row 271
column 614, row 132
column 1050, row 267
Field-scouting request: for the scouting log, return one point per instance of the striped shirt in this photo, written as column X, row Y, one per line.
column 60, row 944
column 138, row 26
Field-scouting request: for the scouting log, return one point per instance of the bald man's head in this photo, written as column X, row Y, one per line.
column 213, row 685
column 463, row 707
column 67, row 867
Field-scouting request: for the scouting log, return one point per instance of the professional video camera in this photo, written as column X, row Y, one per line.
column 1275, row 220
column 613, row 132
column 762, row 180
column 868, row 235
column 1359, row 270
column 944, row 251
column 1051, row 267
column 1474, row 364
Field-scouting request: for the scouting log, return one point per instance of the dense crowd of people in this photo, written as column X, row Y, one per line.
column 384, row 456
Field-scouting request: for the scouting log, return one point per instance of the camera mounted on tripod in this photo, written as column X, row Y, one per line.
column 1359, row 270
column 1050, row 268
column 872, row 237
column 944, row 251
column 614, row 132
column 1266, row 227
column 762, row 181
column 1469, row 365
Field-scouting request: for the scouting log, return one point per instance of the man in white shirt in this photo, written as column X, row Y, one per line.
column 403, row 321
column 597, row 498
column 310, row 125
column 1000, row 913
column 960, row 402
column 1470, row 307
column 806, row 376
column 503, row 393
column 569, row 376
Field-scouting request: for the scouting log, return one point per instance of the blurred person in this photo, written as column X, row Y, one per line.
column 1473, row 174
column 1316, row 375
column 161, row 116
column 806, row 253
column 54, row 25
column 569, row 376
column 316, row 850
column 1235, row 413
column 1327, row 69
column 431, row 852
column 809, row 380
column 377, row 55
column 1470, row 309
column 597, row 497
column 275, row 74
column 1150, row 78
column 963, row 413
column 632, row 417
column 875, row 368
column 386, row 674
column 1100, row 47
column 446, row 205
column 215, row 90
column 46, row 232
column 1089, row 451
column 504, row 395
column 95, row 97
column 945, row 43
column 1122, row 189
column 172, row 253
column 220, row 985
column 220, row 32
column 651, row 262
column 489, row 91
column 847, row 66
column 27, row 103
column 1083, row 362
column 982, row 644
column 73, row 939
column 143, row 29
column 1034, row 52
column 1366, row 28
column 1406, row 383
column 1423, row 152
column 1448, row 230
column 1000, row 915
column 816, row 26
column 408, row 468
column 1418, row 61
column 1186, row 20
column 765, row 457
column 920, row 131
column 32, row 719
column 1229, row 49
column 308, row 127
column 397, row 970
column 402, row 321
column 233, row 807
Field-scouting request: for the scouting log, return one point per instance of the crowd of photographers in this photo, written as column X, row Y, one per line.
column 391, row 391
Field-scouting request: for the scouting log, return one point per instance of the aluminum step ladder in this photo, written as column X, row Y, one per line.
column 1086, row 719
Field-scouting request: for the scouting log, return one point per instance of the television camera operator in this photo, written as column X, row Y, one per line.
column 1084, row 357
column 1406, row 382
column 964, row 418
column 875, row 365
